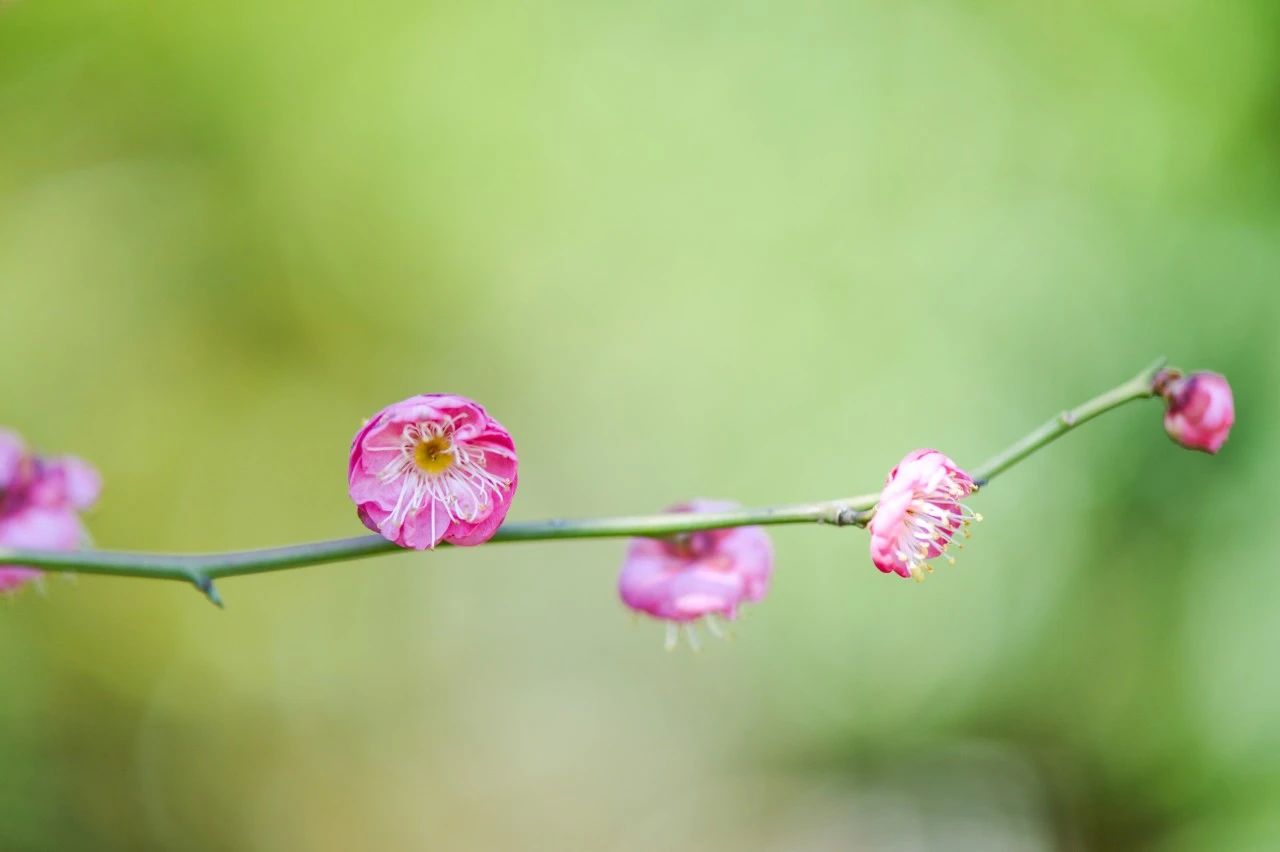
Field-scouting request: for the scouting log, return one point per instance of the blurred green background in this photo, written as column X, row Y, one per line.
column 755, row 251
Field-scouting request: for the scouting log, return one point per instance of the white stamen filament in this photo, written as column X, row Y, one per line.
column 688, row 631
column 673, row 637
column 463, row 486
column 692, row 635
column 933, row 517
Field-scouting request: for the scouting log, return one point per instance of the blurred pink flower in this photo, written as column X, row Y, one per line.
column 39, row 503
column 700, row 575
column 919, row 512
column 13, row 455
column 1200, row 412
column 433, row 468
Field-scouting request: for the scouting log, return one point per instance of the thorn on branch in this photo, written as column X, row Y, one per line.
column 205, row 585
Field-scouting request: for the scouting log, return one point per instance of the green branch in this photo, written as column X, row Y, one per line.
column 202, row 569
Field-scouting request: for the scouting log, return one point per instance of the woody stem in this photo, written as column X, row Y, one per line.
column 202, row 569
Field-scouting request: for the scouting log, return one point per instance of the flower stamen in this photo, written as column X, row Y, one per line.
column 433, row 465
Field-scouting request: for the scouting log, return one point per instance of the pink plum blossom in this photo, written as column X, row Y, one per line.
column 1200, row 412
column 432, row 468
column 13, row 455
column 697, row 576
column 919, row 512
column 40, row 501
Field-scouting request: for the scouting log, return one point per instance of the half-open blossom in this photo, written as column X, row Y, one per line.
column 433, row 468
column 919, row 512
column 40, row 501
column 697, row 576
column 1200, row 412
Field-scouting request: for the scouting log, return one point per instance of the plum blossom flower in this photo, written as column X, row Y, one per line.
column 13, row 454
column 1200, row 411
column 699, row 576
column 919, row 512
column 40, row 502
column 432, row 468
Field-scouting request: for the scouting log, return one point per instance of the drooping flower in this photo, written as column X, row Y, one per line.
column 432, row 468
column 1200, row 411
column 919, row 512
column 40, row 501
column 698, row 576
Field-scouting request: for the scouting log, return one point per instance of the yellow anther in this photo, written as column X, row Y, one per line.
column 434, row 455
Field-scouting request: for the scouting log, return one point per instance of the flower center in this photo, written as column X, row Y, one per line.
column 434, row 455
column 437, row 469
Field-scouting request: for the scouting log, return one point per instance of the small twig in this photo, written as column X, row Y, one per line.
column 202, row 569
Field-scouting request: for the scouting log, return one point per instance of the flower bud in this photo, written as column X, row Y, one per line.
column 1200, row 411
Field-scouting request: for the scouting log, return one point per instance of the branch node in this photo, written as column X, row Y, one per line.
column 850, row 517
column 1162, row 379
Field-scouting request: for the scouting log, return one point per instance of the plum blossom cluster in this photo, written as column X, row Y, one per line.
column 41, row 499
column 439, row 469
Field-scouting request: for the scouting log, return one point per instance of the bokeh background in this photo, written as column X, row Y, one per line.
column 755, row 251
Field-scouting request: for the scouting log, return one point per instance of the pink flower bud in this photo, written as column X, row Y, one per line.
column 433, row 468
column 697, row 576
column 1200, row 411
column 39, row 503
column 919, row 512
